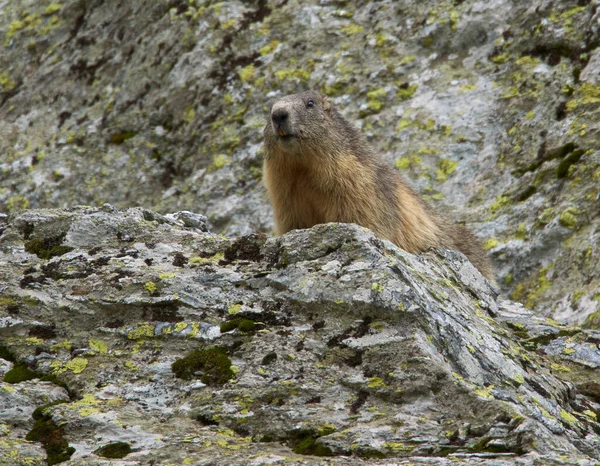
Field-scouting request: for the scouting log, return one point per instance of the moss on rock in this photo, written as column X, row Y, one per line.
column 114, row 450
column 212, row 364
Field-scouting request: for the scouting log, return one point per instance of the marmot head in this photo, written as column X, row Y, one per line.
column 300, row 122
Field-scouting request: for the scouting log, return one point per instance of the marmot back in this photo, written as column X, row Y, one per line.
column 318, row 168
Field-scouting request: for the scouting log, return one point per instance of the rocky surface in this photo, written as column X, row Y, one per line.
column 489, row 107
column 133, row 333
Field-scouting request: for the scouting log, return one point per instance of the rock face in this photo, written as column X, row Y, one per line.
column 142, row 335
column 488, row 107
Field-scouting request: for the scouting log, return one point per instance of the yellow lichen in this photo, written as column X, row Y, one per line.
column 490, row 243
column 246, row 74
column 143, row 330
column 376, row 382
column 219, row 162
column 77, row 365
column 352, row 29
column 270, row 47
column 445, row 168
column 99, row 346
column 52, row 8
column 234, row 308
column 485, row 392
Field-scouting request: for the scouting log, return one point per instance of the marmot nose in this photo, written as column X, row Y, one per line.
column 279, row 116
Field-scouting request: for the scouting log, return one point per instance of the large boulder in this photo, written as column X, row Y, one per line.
column 144, row 336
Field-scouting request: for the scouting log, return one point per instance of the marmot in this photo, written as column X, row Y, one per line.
column 318, row 168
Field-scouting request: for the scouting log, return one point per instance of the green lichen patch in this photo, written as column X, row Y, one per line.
column 114, row 450
column 243, row 325
column 211, row 364
column 48, row 247
column 51, row 436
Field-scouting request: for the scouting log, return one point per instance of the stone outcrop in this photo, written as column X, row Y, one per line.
column 490, row 107
column 136, row 335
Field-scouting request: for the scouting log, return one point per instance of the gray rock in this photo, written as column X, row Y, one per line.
column 335, row 343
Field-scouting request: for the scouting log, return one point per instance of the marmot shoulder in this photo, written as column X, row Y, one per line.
column 318, row 168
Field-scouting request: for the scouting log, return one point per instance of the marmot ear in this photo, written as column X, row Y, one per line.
column 326, row 104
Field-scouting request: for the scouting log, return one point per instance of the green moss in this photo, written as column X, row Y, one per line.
column 562, row 169
column 212, row 363
column 46, row 431
column 369, row 453
column 19, row 373
column 326, row 429
column 305, row 443
column 47, row 248
column 405, row 91
column 114, row 450
column 6, row 354
column 243, row 325
column 120, row 138
column 428, row 41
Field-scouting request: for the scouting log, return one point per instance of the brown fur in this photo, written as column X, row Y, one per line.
column 318, row 168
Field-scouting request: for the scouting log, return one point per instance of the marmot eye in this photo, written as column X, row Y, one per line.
column 310, row 103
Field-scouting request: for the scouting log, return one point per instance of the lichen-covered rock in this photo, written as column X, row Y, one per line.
column 488, row 107
column 161, row 342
